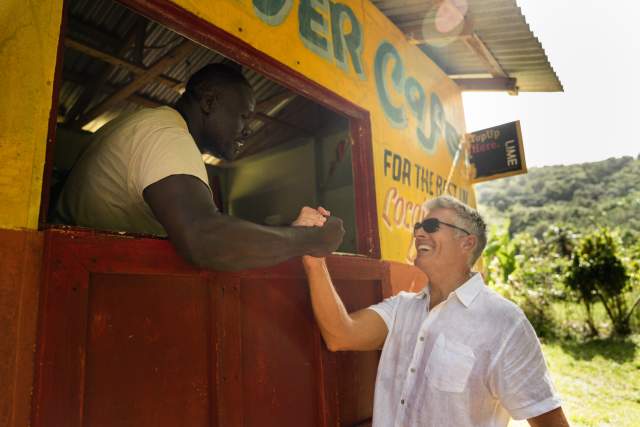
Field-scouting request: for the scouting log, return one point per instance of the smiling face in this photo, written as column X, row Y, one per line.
column 446, row 248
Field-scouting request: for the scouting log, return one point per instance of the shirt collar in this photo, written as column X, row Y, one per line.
column 465, row 293
column 470, row 289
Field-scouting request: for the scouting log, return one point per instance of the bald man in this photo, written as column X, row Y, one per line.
column 144, row 173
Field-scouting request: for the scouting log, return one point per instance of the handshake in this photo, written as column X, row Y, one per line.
column 325, row 233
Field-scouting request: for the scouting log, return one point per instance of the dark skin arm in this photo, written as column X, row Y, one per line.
column 554, row 418
column 209, row 239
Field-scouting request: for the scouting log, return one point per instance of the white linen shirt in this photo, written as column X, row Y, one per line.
column 474, row 360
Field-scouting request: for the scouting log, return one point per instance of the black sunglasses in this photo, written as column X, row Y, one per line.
column 431, row 225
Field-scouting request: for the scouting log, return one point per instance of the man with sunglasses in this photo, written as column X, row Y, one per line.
column 454, row 354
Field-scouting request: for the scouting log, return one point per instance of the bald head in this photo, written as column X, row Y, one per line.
column 213, row 76
column 217, row 104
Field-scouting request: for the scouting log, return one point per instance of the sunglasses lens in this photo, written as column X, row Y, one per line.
column 430, row 225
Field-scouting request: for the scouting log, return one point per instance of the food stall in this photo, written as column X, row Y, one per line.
column 359, row 109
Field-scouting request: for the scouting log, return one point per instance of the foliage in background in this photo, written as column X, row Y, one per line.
column 529, row 272
column 540, row 222
column 597, row 273
column 547, row 249
column 583, row 196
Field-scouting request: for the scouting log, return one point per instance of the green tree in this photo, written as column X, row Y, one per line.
column 527, row 271
column 597, row 272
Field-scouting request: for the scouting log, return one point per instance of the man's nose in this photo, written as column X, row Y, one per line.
column 419, row 232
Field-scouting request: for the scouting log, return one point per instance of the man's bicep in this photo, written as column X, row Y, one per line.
column 370, row 330
column 179, row 203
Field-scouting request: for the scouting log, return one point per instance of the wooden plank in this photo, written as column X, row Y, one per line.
column 176, row 55
column 95, row 84
column 60, row 361
column 20, row 264
column 356, row 371
column 480, row 49
column 487, row 85
column 114, row 60
column 136, row 98
column 148, row 351
column 229, row 348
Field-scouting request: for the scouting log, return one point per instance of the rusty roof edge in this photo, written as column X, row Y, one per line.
column 533, row 35
column 457, row 62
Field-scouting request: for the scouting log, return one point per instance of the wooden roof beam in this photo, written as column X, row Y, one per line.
column 96, row 83
column 176, row 55
column 470, row 38
column 108, row 88
column 81, row 47
column 475, row 43
column 275, row 103
column 495, row 84
column 90, row 31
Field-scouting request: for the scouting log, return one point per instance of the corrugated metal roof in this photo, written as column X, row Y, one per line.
column 103, row 24
column 500, row 25
column 113, row 21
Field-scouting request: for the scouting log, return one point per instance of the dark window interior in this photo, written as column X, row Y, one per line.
column 116, row 62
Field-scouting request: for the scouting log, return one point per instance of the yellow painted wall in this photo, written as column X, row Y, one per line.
column 282, row 40
column 28, row 41
column 29, row 31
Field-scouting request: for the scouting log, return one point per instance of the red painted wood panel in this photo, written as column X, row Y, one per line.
column 278, row 353
column 149, row 351
column 132, row 335
column 20, row 262
column 356, row 370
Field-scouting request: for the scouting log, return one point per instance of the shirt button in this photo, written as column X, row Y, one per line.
column 421, row 338
column 413, row 370
column 402, row 402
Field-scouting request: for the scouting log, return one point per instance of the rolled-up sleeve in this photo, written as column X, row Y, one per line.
column 386, row 310
column 519, row 377
column 165, row 152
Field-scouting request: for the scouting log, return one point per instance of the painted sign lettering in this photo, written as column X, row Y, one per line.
column 497, row 152
column 329, row 29
column 416, row 100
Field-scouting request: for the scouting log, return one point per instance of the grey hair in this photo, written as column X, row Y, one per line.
column 468, row 218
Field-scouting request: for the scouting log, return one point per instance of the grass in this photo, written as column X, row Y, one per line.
column 598, row 380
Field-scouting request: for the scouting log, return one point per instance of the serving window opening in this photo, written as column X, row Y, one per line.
column 299, row 152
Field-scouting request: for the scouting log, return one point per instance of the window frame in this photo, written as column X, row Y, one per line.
column 207, row 34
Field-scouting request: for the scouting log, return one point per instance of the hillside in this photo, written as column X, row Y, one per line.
column 581, row 196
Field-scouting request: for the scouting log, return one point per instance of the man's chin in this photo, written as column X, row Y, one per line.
column 423, row 262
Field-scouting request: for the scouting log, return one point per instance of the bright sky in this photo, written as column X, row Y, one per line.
column 594, row 47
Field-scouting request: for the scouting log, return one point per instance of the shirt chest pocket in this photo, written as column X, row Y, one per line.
column 449, row 365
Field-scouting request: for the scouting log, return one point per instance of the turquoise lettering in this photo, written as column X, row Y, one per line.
column 272, row 12
column 437, row 123
column 452, row 138
column 440, row 127
column 387, row 52
column 340, row 14
column 417, row 100
column 313, row 27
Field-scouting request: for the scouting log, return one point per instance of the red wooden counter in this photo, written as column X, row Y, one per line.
column 132, row 335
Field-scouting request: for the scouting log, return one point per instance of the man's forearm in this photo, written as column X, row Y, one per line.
column 229, row 244
column 331, row 315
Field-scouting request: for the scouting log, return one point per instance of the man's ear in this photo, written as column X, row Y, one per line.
column 469, row 242
column 209, row 102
